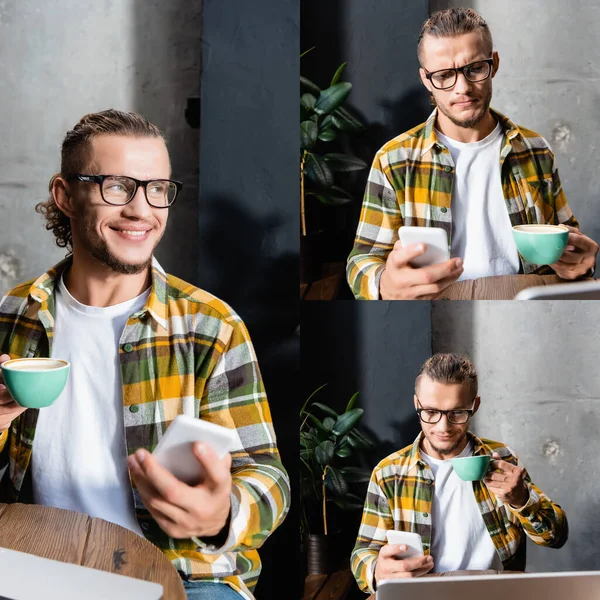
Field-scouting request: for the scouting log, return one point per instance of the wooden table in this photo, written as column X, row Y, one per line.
column 500, row 287
column 75, row 538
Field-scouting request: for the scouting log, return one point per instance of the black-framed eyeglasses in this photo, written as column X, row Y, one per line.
column 432, row 416
column 474, row 72
column 119, row 190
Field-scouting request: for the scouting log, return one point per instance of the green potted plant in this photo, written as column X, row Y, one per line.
column 325, row 128
column 330, row 443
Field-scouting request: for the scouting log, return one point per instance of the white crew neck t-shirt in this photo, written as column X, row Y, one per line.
column 481, row 228
column 79, row 458
column 460, row 539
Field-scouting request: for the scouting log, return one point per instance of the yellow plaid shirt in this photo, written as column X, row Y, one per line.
column 410, row 183
column 185, row 352
column 400, row 496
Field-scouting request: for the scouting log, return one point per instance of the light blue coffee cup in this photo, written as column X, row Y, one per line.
column 35, row 382
column 471, row 468
column 541, row 244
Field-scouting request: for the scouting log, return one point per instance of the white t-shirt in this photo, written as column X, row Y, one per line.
column 481, row 228
column 79, row 458
column 460, row 539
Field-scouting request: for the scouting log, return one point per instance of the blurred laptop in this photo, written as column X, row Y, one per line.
column 579, row 290
column 583, row 585
column 28, row 577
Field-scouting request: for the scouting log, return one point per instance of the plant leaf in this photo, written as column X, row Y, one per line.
column 335, row 482
column 318, row 171
column 329, row 134
column 352, row 402
column 326, row 409
column 344, row 162
column 345, row 121
column 303, row 409
column 307, row 51
column 332, row 98
column 309, row 85
column 308, row 101
column 328, row 423
column 338, row 73
column 324, row 452
column 317, row 423
column 347, row 421
column 309, row 131
column 356, row 474
column 344, row 452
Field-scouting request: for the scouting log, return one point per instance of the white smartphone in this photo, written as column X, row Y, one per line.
column 174, row 450
column 412, row 541
column 435, row 240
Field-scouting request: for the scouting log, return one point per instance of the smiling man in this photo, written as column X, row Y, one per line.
column 144, row 347
column 463, row 525
column 468, row 170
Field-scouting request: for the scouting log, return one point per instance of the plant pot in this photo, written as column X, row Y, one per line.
column 317, row 555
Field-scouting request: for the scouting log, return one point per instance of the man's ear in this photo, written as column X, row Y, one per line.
column 425, row 81
column 496, row 64
column 476, row 404
column 59, row 189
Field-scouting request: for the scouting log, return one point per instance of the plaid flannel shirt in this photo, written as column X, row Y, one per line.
column 400, row 495
column 410, row 183
column 185, row 352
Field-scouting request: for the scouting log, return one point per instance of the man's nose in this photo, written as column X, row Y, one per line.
column 138, row 206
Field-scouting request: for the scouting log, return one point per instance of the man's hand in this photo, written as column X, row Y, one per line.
column 400, row 281
column 9, row 409
column 390, row 567
column 507, row 482
column 579, row 256
column 184, row 511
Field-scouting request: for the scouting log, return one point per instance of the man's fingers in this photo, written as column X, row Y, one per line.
column 571, row 258
column 400, row 257
column 4, row 358
column 392, row 550
column 581, row 241
column 217, row 472
column 167, row 486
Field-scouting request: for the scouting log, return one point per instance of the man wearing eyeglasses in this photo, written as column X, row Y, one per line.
column 468, row 170
column 463, row 525
column 144, row 347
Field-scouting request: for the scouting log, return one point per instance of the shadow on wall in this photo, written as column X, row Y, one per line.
column 166, row 65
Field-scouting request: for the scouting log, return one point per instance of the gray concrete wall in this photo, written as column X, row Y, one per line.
column 549, row 81
column 61, row 60
column 540, row 394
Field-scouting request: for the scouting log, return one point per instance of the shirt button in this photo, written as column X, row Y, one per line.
column 128, row 348
column 134, row 408
column 447, row 169
column 145, row 526
column 425, row 515
column 444, row 210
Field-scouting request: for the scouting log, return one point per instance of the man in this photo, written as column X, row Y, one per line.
column 467, row 169
column 144, row 347
column 463, row 525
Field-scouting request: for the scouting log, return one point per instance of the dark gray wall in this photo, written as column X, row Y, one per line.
column 375, row 349
column 540, row 394
column 248, row 241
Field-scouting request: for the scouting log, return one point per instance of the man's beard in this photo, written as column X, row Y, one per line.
column 451, row 449
column 470, row 123
column 98, row 248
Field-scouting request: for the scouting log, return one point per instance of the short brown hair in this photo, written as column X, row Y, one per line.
column 76, row 156
column 449, row 368
column 453, row 22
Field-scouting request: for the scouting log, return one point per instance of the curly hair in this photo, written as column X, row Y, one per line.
column 76, row 156
column 449, row 368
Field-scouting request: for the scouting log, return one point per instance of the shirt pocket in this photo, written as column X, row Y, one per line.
column 542, row 207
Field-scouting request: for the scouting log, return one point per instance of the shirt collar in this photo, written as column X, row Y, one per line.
column 430, row 138
column 157, row 304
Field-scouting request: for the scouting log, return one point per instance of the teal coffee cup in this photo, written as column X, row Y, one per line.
column 35, row 382
column 471, row 468
column 541, row 244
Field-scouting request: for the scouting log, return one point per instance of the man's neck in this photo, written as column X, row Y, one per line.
column 95, row 284
column 463, row 134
